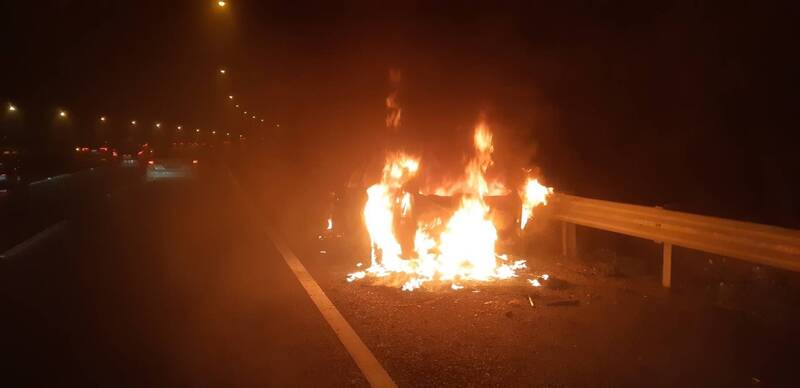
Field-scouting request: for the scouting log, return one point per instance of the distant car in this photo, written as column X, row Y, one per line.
column 95, row 156
column 129, row 161
column 9, row 169
column 171, row 168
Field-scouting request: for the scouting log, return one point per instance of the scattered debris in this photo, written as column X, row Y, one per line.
column 355, row 276
column 535, row 282
column 530, row 300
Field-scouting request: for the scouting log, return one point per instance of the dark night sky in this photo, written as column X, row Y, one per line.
column 685, row 104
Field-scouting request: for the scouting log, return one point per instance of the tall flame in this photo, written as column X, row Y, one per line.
column 379, row 214
column 462, row 248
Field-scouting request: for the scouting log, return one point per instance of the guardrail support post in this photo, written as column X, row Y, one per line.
column 568, row 243
column 666, row 269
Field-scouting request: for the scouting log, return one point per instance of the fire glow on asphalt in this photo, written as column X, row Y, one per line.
column 461, row 247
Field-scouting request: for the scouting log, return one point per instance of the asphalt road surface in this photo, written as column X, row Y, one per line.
column 164, row 284
column 178, row 284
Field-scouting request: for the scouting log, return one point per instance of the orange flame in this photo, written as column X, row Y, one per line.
column 379, row 214
column 462, row 248
column 533, row 195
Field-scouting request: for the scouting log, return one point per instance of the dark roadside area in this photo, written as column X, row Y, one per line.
column 42, row 189
column 35, row 206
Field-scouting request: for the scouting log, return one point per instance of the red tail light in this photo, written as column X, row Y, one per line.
column 195, row 161
column 150, row 162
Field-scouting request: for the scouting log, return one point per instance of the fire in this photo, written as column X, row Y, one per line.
column 460, row 248
column 379, row 214
column 533, row 195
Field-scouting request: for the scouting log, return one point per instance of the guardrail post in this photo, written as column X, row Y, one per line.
column 666, row 269
column 568, row 243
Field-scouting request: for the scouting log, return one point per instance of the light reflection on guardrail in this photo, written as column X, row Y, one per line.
column 755, row 243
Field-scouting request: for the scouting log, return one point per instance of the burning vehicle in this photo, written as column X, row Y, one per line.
column 448, row 234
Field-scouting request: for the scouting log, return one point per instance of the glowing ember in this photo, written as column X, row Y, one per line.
column 355, row 276
column 460, row 248
column 330, row 224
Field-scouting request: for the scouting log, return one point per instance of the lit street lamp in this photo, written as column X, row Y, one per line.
column 103, row 118
column 158, row 125
column 62, row 114
column 230, row 97
column 133, row 122
column 221, row 4
column 12, row 108
column 222, row 71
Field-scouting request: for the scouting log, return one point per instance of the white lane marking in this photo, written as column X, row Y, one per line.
column 36, row 239
column 366, row 361
column 49, row 179
column 372, row 369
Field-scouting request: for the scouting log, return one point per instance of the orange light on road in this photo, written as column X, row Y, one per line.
column 222, row 4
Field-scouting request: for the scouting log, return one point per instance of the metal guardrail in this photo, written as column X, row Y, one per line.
column 755, row 243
